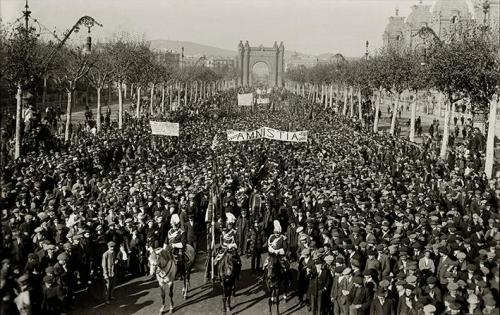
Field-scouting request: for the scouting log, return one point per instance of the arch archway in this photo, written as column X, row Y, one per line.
column 260, row 74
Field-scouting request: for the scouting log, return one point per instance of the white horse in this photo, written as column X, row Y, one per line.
column 163, row 265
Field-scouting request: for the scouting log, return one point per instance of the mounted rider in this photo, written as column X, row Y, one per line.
column 228, row 242
column 276, row 245
column 176, row 239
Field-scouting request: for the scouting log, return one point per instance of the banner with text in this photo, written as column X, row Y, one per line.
column 245, row 99
column 164, row 128
column 263, row 100
column 267, row 133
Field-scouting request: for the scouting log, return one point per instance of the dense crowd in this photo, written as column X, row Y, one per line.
column 377, row 225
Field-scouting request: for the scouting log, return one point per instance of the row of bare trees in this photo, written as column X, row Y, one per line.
column 116, row 64
column 466, row 69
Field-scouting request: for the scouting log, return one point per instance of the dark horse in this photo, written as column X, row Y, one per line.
column 227, row 275
column 277, row 281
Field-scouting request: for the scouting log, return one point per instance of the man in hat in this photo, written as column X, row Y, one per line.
column 109, row 262
column 305, row 263
column 382, row 304
column 325, row 280
column 255, row 244
column 358, row 298
column 345, row 286
column 52, row 296
column 242, row 227
column 65, row 276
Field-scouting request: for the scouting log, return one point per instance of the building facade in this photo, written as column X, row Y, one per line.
column 168, row 57
column 444, row 17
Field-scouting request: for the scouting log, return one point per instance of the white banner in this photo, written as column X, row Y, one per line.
column 267, row 133
column 164, row 128
column 245, row 99
column 263, row 100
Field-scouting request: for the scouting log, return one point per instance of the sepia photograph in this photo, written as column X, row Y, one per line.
column 249, row 157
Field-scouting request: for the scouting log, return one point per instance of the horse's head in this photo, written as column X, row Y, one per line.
column 273, row 268
column 153, row 260
column 226, row 266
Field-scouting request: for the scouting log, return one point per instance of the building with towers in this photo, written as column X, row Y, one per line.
column 444, row 17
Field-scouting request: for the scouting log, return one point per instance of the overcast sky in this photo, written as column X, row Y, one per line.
column 308, row 26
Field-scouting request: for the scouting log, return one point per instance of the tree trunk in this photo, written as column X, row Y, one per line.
column 151, row 101
column 178, row 95
column 190, row 92
column 87, row 96
column 120, row 106
column 138, row 106
column 344, row 110
column 446, row 130
column 394, row 114
column 19, row 110
column 44, row 95
column 170, row 96
column 331, row 97
column 185, row 94
column 351, row 100
column 68, row 116
column 490, row 141
column 163, row 98
column 413, row 117
column 377, row 109
column 108, row 100
column 98, row 118
column 360, row 109
column 196, row 91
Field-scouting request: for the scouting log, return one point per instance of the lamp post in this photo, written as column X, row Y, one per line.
column 366, row 52
column 86, row 21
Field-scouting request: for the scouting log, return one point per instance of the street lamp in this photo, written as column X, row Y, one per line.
column 366, row 52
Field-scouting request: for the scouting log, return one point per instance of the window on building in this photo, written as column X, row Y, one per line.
column 454, row 19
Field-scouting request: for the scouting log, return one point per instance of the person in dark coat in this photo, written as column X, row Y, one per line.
column 382, row 304
column 358, row 298
column 325, row 281
column 255, row 243
column 242, row 227
column 52, row 296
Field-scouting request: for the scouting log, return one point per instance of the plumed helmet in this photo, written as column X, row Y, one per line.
column 277, row 226
column 175, row 220
column 230, row 218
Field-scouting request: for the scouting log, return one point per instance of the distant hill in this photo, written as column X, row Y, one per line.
column 191, row 48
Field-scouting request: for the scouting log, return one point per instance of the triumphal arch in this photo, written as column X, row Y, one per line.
column 273, row 57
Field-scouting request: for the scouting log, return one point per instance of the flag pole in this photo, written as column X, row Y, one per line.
column 214, row 201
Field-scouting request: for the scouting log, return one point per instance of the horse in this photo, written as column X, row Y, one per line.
column 185, row 268
column 277, row 279
column 227, row 275
column 163, row 265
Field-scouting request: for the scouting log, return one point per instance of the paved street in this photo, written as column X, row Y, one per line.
column 142, row 296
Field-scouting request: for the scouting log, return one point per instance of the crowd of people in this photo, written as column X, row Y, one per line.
column 376, row 225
